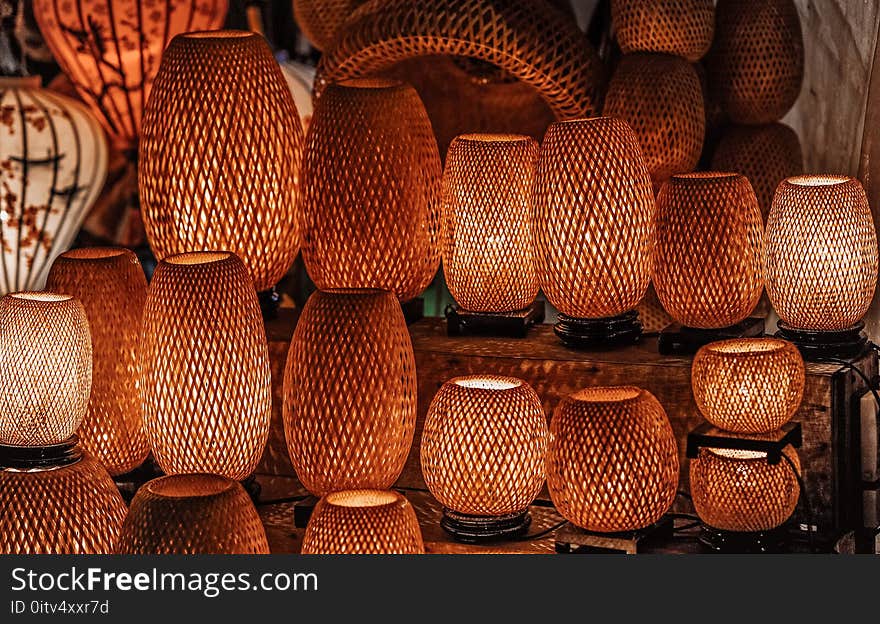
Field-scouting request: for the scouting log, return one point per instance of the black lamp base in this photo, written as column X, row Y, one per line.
column 600, row 333
column 735, row 542
column 817, row 345
column 678, row 339
column 571, row 539
column 36, row 457
column 476, row 529
column 514, row 324
column 269, row 302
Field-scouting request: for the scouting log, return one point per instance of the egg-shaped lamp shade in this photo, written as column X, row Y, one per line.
column 349, row 392
column 661, row 98
column 320, row 20
column 612, row 462
column 192, row 514
column 707, row 249
column 748, row 385
column 371, row 195
column 73, row 509
column 483, row 449
column 363, row 522
column 53, row 162
column 220, row 152
column 488, row 257
column 678, row 27
column 205, row 383
column 111, row 285
column 45, row 367
column 111, row 50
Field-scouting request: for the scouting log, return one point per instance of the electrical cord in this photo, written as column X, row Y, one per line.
column 804, row 499
column 855, row 370
column 540, row 534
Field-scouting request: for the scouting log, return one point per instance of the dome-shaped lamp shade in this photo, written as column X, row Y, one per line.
column 612, row 463
column 488, row 258
column 756, row 64
column 678, row 27
column 220, row 152
column 320, row 19
column 111, row 50
column 53, row 162
column 205, row 382
column 483, row 449
column 748, row 385
column 73, row 509
column 371, row 198
column 45, row 368
column 707, row 249
column 111, row 285
column 363, row 522
column 593, row 219
column 192, row 514
column 349, row 392
column 661, row 98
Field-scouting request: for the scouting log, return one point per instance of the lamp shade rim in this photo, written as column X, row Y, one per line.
column 194, row 258
column 95, row 254
column 41, row 296
column 493, row 137
column 372, row 83
column 372, row 498
column 608, row 395
column 737, row 455
column 752, row 347
column 487, row 383
column 819, row 181
column 194, row 485
column 694, row 178
column 223, row 33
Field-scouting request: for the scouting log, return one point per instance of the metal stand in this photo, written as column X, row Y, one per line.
column 476, row 529
column 816, row 345
column 36, row 457
column 601, row 333
column 571, row 539
column 677, row 339
column 509, row 324
column 709, row 436
column 733, row 542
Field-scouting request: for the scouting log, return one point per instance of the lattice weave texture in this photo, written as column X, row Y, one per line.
column 678, row 27
column 488, row 257
column 349, row 392
column 220, row 152
column 205, row 380
column 192, row 514
column 484, row 444
column 593, row 218
column 73, row 510
column 612, row 463
column 320, row 20
column 820, row 256
column 707, row 251
column 363, row 522
column 112, row 287
column 371, row 199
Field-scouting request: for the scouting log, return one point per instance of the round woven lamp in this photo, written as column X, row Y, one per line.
column 820, row 263
column 593, row 229
column 748, row 385
column 743, row 500
column 111, row 285
column 192, row 514
column 612, row 463
column 205, row 383
column 220, row 153
column 661, row 99
column 349, row 392
column 363, row 522
column 371, row 176
column 483, row 448
column 678, row 27
column 320, row 20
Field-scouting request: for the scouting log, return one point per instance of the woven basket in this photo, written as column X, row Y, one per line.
column 220, row 152
column 652, row 316
column 707, row 252
column 748, row 385
column 612, row 463
column 349, row 392
column 363, row 522
column 483, row 445
column 371, row 176
column 678, row 27
column 487, row 222
column 594, row 213
column 192, row 514
column 820, row 259
column 320, row 20
column 205, row 380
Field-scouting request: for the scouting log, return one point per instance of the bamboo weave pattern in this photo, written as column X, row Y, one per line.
column 679, row 27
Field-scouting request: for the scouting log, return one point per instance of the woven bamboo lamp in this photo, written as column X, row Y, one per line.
column 593, row 228
column 820, row 263
column 748, row 385
column 371, row 198
column 678, row 27
column 54, row 162
column 205, row 383
column 743, row 500
column 192, row 514
column 349, row 392
column 320, row 20
column 111, row 50
column 756, row 64
column 363, row 522
column 220, row 153
column 612, row 463
column 661, row 99
column 483, row 448
column 111, row 285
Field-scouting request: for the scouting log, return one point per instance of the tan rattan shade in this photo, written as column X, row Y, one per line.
column 320, row 20
column 678, row 27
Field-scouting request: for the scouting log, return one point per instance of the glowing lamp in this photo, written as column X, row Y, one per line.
column 678, row 27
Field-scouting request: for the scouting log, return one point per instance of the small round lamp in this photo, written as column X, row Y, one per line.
column 678, row 27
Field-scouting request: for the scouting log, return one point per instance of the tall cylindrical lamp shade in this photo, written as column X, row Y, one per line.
column 205, row 383
column 220, row 153
column 678, row 27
